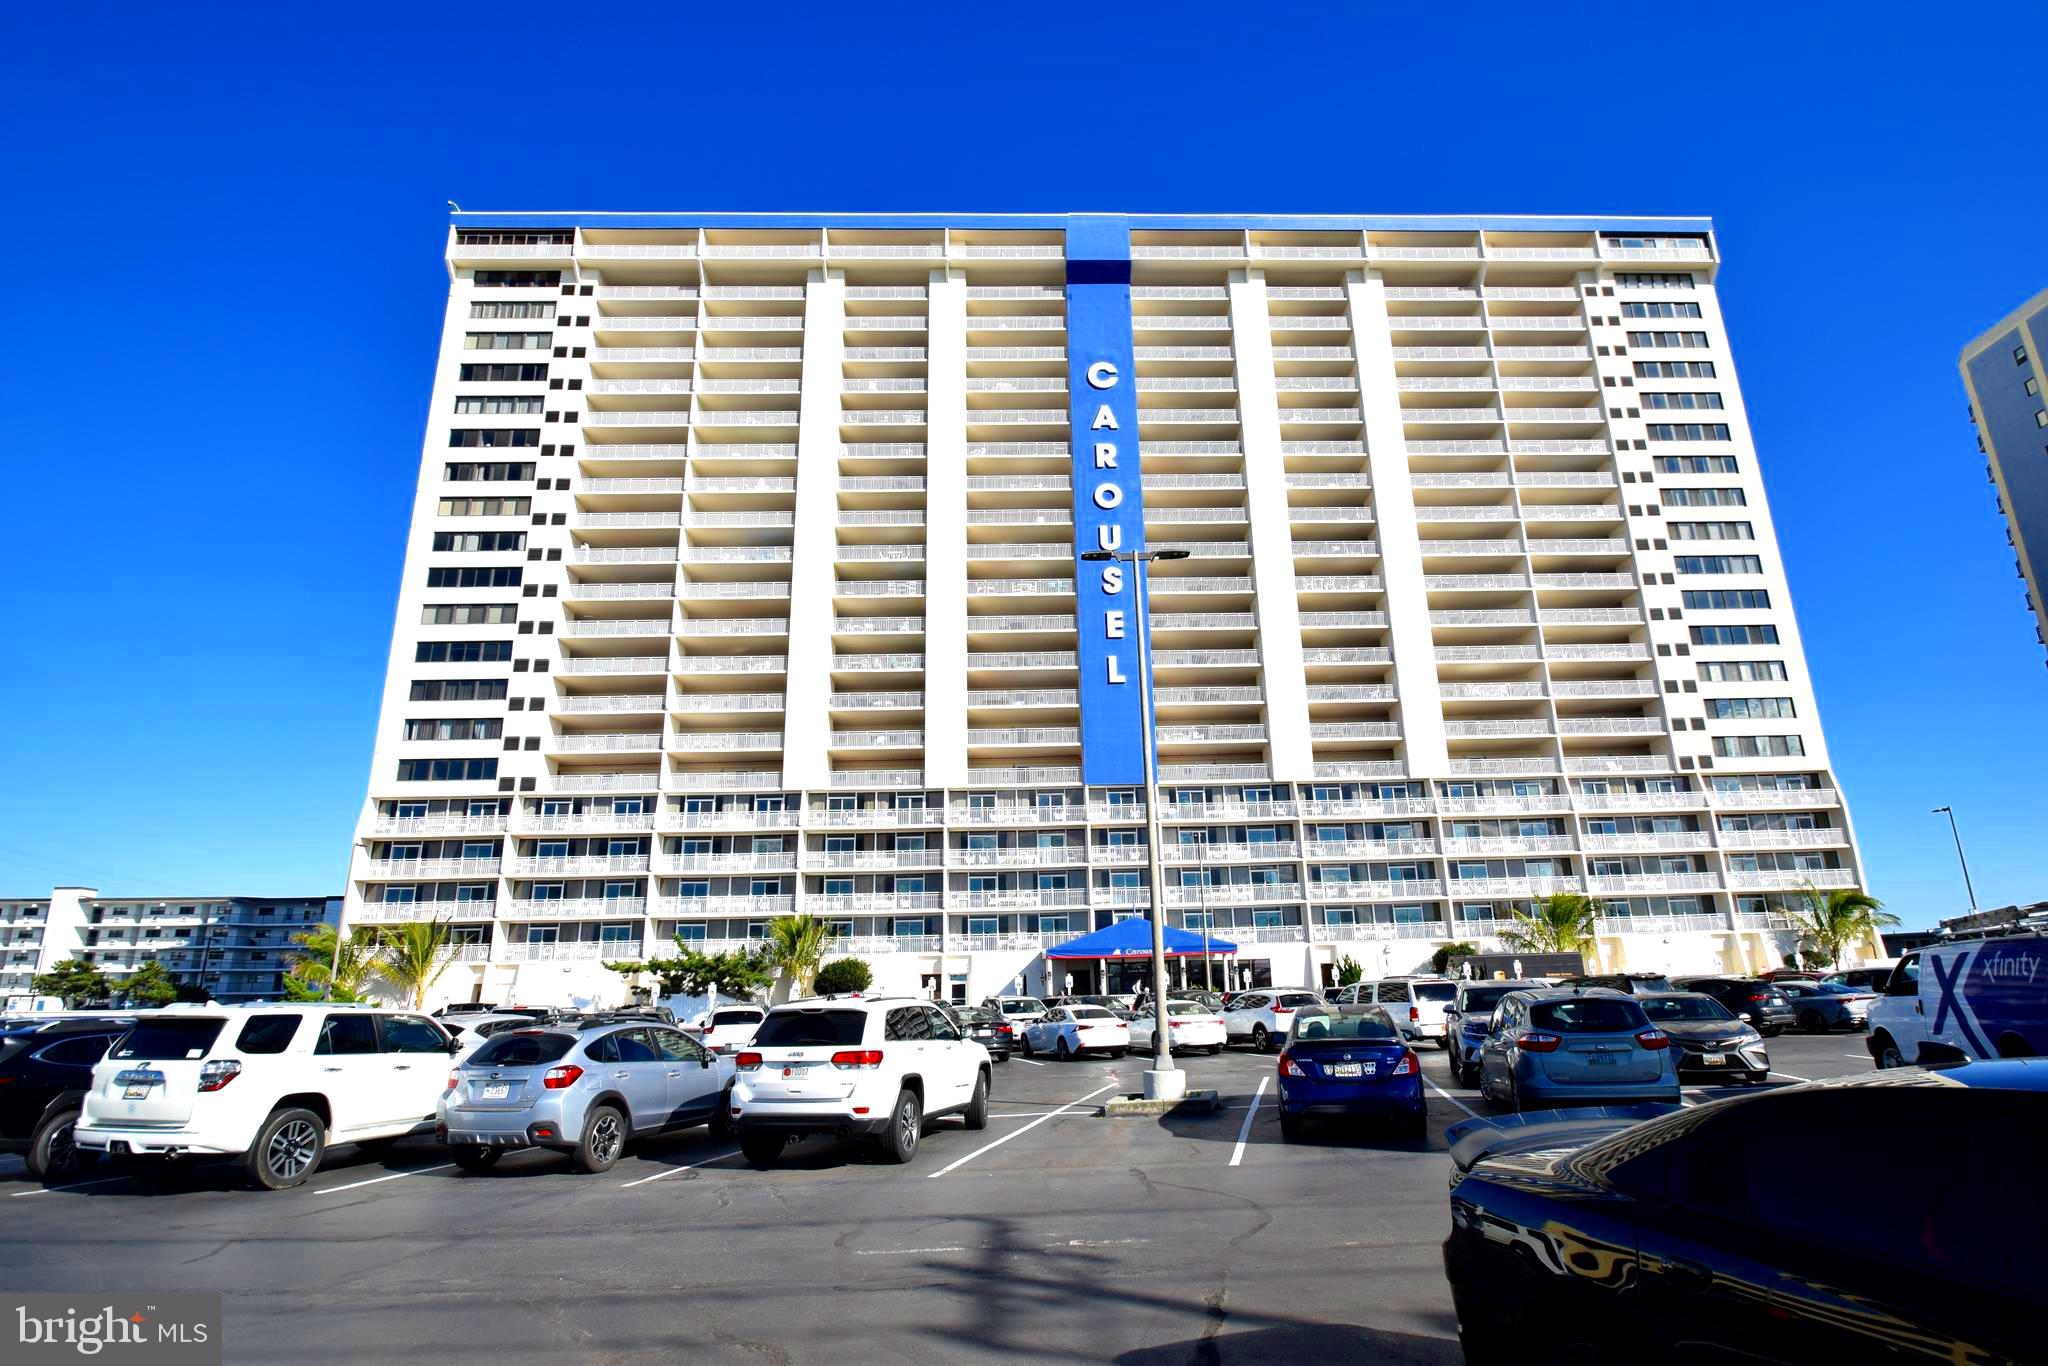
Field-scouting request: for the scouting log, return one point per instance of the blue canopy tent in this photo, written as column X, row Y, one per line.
column 1130, row 939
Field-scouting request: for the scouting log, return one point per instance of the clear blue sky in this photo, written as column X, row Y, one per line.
column 225, row 245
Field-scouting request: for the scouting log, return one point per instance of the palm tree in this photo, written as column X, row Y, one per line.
column 320, row 974
column 411, row 958
column 1564, row 922
column 796, row 944
column 1835, row 920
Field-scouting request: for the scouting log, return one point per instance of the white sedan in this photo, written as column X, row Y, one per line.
column 1188, row 1026
column 1070, row 1031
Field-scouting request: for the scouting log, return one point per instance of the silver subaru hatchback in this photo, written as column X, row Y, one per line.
column 582, row 1087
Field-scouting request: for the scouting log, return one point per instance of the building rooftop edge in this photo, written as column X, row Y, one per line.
column 96, row 895
column 919, row 218
column 1972, row 349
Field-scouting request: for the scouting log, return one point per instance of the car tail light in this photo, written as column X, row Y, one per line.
column 1537, row 1043
column 217, row 1074
column 452, row 1079
column 858, row 1057
column 747, row 1062
column 1283, row 1010
column 556, row 1078
column 1653, row 1039
column 1409, row 1066
column 1414, row 1012
column 1289, row 1067
column 1760, row 996
column 1005, row 1029
column 1173, row 1024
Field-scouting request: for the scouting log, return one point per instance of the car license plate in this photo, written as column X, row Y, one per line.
column 136, row 1093
column 497, row 1090
column 797, row 1071
column 1346, row 1069
column 1712, row 1059
column 1600, row 1059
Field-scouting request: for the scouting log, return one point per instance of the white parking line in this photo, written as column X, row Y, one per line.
column 1064, row 1109
column 379, row 1180
column 702, row 1161
column 1028, row 1062
column 1452, row 1099
column 76, row 1185
column 1237, row 1153
column 1789, row 1077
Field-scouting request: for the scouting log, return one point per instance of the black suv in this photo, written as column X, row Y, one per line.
column 45, row 1071
column 1751, row 999
column 1627, row 983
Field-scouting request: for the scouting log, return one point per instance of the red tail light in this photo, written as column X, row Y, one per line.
column 1005, row 1029
column 557, row 1078
column 1289, row 1067
column 1759, row 997
column 1409, row 1065
column 217, row 1074
column 452, row 1079
column 1654, row 1038
column 1283, row 1010
column 1537, row 1043
column 747, row 1062
column 858, row 1057
column 1414, row 1012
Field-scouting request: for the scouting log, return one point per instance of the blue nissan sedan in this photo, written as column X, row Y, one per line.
column 1349, row 1065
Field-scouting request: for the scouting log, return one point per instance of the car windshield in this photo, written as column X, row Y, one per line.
column 813, row 1028
column 1297, row 998
column 1480, row 1000
column 1435, row 991
column 1650, row 983
column 1088, row 1013
column 1371, row 1026
column 1022, row 1008
column 168, row 1039
column 522, row 1050
column 1684, row 1008
column 1587, row 1015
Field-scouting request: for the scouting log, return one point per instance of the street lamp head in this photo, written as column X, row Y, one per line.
column 1098, row 554
column 1939, row 809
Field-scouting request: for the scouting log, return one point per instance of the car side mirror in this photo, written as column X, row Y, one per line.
column 704, row 1061
column 454, row 1047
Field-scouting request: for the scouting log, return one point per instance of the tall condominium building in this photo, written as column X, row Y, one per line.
column 744, row 578
column 2005, row 371
column 235, row 948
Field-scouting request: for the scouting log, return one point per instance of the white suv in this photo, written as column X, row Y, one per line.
column 1262, row 1018
column 866, row 1067
column 272, row 1084
column 1416, row 1005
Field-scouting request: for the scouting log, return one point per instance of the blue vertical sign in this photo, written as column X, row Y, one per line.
column 1109, row 496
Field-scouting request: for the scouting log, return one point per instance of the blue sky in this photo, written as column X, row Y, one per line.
column 225, row 234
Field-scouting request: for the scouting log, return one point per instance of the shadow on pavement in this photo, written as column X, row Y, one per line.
column 1295, row 1343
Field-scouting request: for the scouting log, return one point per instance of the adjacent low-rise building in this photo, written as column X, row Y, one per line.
column 235, row 948
column 745, row 577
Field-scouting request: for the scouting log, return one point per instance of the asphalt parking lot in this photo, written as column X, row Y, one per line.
column 1053, row 1235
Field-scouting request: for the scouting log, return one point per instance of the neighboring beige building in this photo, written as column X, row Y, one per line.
column 741, row 581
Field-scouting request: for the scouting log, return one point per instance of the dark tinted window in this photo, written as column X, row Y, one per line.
column 1369, row 1024
column 1588, row 1015
column 907, row 1023
column 267, row 1033
column 83, row 1051
column 1683, row 1008
column 735, row 1017
column 635, row 1046
column 348, row 1034
column 941, row 1026
column 1904, row 980
column 521, row 1050
column 1393, row 993
column 1482, row 1000
column 170, row 1039
column 676, row 1047
column 811, row 1028
column 411, row 1034
column 1435, row 991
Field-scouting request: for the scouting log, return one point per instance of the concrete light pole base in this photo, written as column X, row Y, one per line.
column 1168, row 1085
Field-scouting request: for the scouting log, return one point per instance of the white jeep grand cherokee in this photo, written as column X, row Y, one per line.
column 857, row 1067
column 274, row 1085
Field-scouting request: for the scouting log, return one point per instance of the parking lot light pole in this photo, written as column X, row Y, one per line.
column 1163, row 1081
column 1956, row 835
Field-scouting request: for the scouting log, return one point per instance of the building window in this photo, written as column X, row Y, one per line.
column 1735, row 635
column 446, row 770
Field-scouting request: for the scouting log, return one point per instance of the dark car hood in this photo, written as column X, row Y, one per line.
column 1704, row 1031
column 1485, row 1136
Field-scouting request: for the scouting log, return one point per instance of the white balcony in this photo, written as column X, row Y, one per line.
column 1817, row 838
column 564, row 908
column 1777, row 798
column 1600, row 884
column 440, row 823
column 871, row 860
column 1646, row 841
column 1791, row 879
column 577, row 865
column 744, row 861
column 413, row 869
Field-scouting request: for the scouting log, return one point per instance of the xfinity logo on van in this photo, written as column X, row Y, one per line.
column 169, row 1330
column 2018, row 967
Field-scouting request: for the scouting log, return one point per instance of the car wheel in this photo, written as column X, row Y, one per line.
column 761, row 1150
column 1215, row 1049
column 51, row 1155
column 604, row 1138
column 1259, row 1038
column 977, row 1109
column 906, row 1126
column 1885, row 1052
column 1027, row 1045
column 475, row 1157
column 287, row 1149
column 721, row 1118
column 1118, row 1052
column 1811, row 1022
column 1065, row 1054
column 1290, row 1127
column 1513, row 1100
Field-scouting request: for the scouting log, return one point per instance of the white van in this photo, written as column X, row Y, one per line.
column 1983, row 998
column 272, row 1084
column 1416, row 1004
